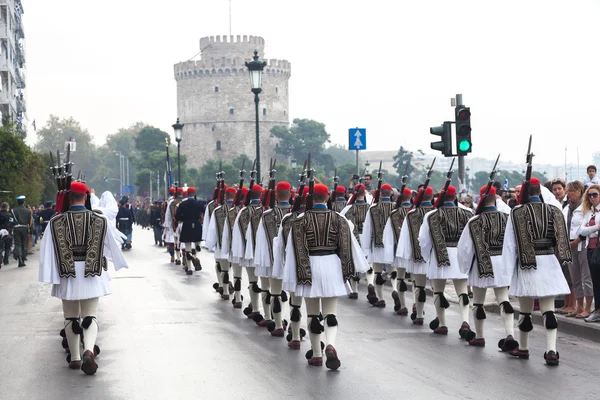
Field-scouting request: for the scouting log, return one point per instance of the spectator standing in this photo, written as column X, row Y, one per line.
column 591, row 179
column 590, row 225
column 6, row 232
column 559, row 189
column 579, row 269
column 22, row 217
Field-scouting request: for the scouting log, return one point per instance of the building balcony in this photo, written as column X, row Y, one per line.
column 21, row 104
column 20, row 55
column 20, row 78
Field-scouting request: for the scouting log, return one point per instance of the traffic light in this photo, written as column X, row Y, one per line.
column 463, row 130
column 445, row 145
column 106, row 179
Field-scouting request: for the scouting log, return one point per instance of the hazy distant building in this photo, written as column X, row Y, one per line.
column 12, row 64
column 215, row 103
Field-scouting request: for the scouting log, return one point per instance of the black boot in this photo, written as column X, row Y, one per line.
column 21, row 262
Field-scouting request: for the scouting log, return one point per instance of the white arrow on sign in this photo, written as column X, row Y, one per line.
column 357, row 142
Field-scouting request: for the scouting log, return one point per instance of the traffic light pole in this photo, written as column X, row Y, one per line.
column 461, row 159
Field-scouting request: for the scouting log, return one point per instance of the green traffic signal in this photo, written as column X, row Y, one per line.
column 464, row 145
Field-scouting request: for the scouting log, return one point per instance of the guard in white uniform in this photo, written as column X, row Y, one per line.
column 247, row 221
column 409, row 251
column 391, row 235
column 263, row 258
column 170, row 234
column 77, row 270
column 371, row 242
column 480, row 257
column 536, row 237
column 438, row 238
column 322, row 255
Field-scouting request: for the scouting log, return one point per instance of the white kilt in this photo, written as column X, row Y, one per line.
column 547, row 280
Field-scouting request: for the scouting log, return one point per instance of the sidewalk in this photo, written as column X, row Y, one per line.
column 571, row 326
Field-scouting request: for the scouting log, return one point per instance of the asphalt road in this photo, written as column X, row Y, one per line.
column 165, row 335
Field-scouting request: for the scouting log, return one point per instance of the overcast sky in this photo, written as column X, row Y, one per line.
column 389, row 66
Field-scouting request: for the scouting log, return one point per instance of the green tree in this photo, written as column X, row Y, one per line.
column 403, row 164
column 302, row 137
column 341, row 154
column 150, row 139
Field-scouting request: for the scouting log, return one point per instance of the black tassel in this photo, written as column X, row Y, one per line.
column 507, row 307
column 284, row 296
column 403, row 287
column 526, row 325
column 331, row 320
column 379, row 279
column 225, row 277
column 266, row 296
column 87, row 321
column 295, row 314
column 442, row 299
column 75, row 326
column 255, row 287
column 394, row 275
column 238, row 284
column 218, row 267
column 276, row 305
column 370, row 271
column 422, row 294
column 356, row 278
column 465, row 298
column 315, row 326
column 550, row 321
column 479, row 311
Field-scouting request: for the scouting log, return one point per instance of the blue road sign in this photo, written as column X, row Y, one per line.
column 127, row 189
column 357, row 139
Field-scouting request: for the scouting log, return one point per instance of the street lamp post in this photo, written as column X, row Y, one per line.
column 255, row 67
column 367, row 164
column 178, row 127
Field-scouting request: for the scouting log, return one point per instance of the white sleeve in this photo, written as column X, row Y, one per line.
column 502, row 206
column 290, row 260
column 365, row 236
column 465, row 250
column 206, row 223
column 360, row 262
column 211, row 235
column 48, row 269
column 262, row 258
column 249, row 253
column 509, row 247
column 388, row 242
column 404, row 250
column 585, row 229
column 345, row 209
column 425, row 238
column 237, row 243
column 112, row 251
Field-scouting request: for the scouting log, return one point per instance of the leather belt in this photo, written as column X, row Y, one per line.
column 321, row 252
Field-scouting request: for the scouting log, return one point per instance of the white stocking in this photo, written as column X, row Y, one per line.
column 547, row 304
column 89, row 308
column 71, row 310
column 353, row 285
column 313, row 307
column 478, row 298
column 264, row 285
column 219, row 275
column 526, row 306
column 460, row 286
column 330, row 308
column 394, row 281
column 401, row 277
column 237, row 273
column 254, row 297
column 370, row 277
column 508, row 319
column 276, row 288
column 377, row 270
column 419, row 280
column 439, row 285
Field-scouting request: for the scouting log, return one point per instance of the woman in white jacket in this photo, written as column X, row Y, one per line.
column 590, row 225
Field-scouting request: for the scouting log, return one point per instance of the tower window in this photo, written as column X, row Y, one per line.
column 216, row 89
column 276, row 89
column 218, row 145
column 231, row 111
column 284, row 112
column 213, row 128
column 264, row 111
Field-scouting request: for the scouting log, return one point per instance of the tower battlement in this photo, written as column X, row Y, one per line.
column 227, row 66
column 241, row 46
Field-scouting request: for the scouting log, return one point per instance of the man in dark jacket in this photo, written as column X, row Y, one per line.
column 188, row 213
column 46, row 214
column 125, row 221
column 23, row 222
column 155, row 222
column 6, row 232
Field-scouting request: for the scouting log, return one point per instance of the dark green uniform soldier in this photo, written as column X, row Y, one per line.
column 22, row 216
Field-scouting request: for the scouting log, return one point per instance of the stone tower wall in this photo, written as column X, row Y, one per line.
column 227, row 114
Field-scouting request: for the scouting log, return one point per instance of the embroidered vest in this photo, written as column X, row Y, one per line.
column 250, row 216
column 445, row 226
column 272, row 221
column 487, row 233
column 321, row 232
column 397, row 219
column 380, row 213
column 79, row 236
column 357, row 215
column 540, row 230
column 339, row 205
column 414, row 222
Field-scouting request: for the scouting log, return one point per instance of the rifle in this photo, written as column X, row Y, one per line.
column 379, row 182
column 221, row 200
column 66, row 201
column 216, row 190
column 421, row 192
column 311, row 186
column 440, row 200
column 239, row 195
column 524, row 195
column 300, row 198
column 252, row 181
column 362, row 177
column 334, row 191
column 270, row 196
column 169, row 172
column 404, row 178
column 483, row 198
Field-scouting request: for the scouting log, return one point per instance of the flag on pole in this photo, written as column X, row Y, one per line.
column 505, row 183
